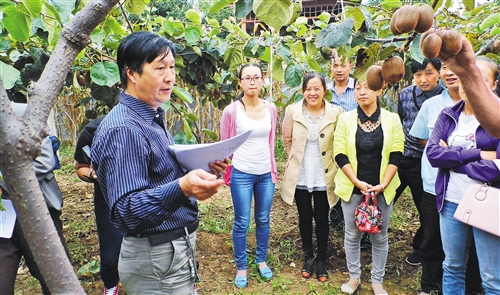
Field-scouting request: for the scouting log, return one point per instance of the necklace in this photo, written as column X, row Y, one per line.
column 313, row 119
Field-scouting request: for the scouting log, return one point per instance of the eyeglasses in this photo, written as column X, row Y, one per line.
column 248, row 79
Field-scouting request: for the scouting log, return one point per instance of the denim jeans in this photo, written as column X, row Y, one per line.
column 352, row 239
column 110, row 241
column 243, row 187
column 456, row 237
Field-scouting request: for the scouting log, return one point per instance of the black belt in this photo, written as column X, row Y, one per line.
column 168, row 236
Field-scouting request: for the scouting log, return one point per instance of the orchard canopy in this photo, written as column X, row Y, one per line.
column 212, row 42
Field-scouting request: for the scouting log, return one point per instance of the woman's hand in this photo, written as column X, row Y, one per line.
column 363, row 186
column 377, row 189
column 488, row 155
column 442, row 143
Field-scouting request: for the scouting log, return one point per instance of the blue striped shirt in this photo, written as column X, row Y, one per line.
column 138, row 172
column 347, row 100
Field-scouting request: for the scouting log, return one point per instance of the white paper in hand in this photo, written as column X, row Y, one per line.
column 7, row 219
column 198, row 156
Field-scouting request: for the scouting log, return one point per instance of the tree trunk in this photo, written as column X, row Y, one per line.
column 21, row 145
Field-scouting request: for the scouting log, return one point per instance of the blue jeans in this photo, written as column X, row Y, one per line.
column 110, row 241
column 456, row 237
column 243, row 187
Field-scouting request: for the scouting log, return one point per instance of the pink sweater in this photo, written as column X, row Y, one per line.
column 228, row 130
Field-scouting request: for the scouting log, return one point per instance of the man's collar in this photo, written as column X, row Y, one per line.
column 140, row 107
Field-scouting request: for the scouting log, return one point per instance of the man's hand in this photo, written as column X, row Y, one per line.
column 219, row 168
column 200, row 184
column 461, row 62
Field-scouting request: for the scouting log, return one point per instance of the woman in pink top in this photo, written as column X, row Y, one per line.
column 254, row 172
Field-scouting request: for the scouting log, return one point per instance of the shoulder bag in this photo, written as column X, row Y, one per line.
column 480, row 208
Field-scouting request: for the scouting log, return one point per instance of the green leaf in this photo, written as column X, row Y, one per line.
column 183, row 94
column 51, row 11
column 274, row 13
column 478, row 9
column 114, row 25
column 277, row 70
column 490, row 21
column 293, row 75
column 335, row 34
column 213, row 135
column 325, row 17
column 387, row 51
column 233, row 57
column 169, row 28
column 301, row 20
column 192, row 117
column 390, row 4
column 34, row 7
column 194, row 16
column 187, row 129
column 311, row 49
column 469, row 4
column 415, row 51
column 213, row 22
column 192, row 35
column 297, row 47
column 243, row 8
column 17, row 23
column 314, row 65
column 89, row 269
column 219, row 5
column 266, row 56
column 495, row 31
column 284, row 52
column 105, row 73
column 135, row 6
column 9, row 75
column 63, row 8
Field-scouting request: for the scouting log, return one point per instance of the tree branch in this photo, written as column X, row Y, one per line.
column 488, row 45
column 395, row 39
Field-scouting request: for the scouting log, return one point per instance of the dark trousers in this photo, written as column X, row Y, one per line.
column 432, row 255
column 110, row 241
column 307, row 212
column 11, row 251
column 409, row 172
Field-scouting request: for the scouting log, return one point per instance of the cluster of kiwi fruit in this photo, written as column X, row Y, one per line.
column 410, row 18
column 391, row 70
column 442, row 42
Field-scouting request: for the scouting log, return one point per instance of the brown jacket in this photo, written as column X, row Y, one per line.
column 294, row 131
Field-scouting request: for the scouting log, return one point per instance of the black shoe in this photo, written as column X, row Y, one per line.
column 413, row 259
column 321, row 271
column 307, row 269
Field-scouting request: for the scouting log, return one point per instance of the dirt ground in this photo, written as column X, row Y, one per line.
column 214, row 251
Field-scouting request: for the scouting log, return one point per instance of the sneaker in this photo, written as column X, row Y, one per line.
column 112, row 291
column 413, row 259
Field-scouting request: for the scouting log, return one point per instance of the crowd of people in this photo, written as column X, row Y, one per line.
column 443, row 138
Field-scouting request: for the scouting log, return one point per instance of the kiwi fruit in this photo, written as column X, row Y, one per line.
column 452, row 42
column 495, row 47
column 425, row 18
column 374, row 79
column 393, row 69
column 392, row 24
column 431, row 45
column 407, row 19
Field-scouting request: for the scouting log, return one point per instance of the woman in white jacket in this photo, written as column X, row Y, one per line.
column 308, row 130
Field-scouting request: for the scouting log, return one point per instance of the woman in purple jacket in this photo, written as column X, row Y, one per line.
column 465, row 154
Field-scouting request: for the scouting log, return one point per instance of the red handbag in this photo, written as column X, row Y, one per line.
column 367, row 216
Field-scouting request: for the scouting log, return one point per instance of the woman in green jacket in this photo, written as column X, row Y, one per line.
column 367, row 148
